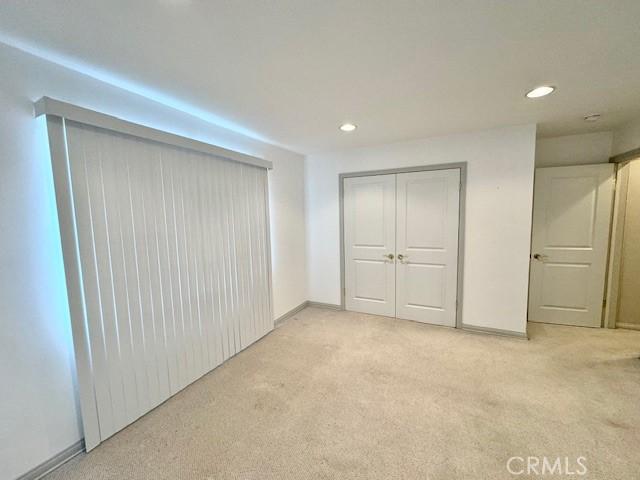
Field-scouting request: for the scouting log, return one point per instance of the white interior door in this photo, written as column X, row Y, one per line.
column 369, row 240
column 571, row 216
column 428, row 206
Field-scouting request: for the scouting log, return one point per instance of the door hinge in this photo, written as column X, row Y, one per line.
column 604, row 303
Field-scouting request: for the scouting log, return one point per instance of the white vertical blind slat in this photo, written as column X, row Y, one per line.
column 164, row 241
column 91, row 283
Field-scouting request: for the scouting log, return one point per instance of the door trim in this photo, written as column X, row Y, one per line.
column 462, row 166
column 616, row 237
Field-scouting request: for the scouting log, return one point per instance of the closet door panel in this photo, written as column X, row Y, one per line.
column 369, row 244
column 427, row 235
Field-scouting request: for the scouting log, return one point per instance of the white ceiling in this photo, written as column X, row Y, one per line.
column 294, row 70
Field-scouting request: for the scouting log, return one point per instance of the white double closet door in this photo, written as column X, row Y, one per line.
column 401, row 245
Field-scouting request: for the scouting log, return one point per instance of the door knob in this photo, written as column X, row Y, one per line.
column 402, row 257
column 539, row 256
column 389, row 256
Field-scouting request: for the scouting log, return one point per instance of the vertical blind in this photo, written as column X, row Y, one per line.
column 173, row 251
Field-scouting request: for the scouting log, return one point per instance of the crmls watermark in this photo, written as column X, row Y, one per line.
column 547, row 466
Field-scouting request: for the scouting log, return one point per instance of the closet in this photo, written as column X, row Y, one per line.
column 401, row 244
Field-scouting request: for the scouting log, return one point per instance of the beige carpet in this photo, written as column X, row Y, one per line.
column 332, row 395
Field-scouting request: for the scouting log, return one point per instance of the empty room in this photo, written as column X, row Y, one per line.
column 319, row 240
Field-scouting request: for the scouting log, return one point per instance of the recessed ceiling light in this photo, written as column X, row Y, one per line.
column 348, row 127
column 540, row 91
column 594, row 117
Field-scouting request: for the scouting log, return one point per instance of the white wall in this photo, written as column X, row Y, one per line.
column 574, row 149
column 286, row 183
column 627, row 137
column 38, row 406
column 498, row 216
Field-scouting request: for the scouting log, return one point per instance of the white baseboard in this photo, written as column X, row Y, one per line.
column 54, row 462
column 628, row 326
column 494, row 331
column 302, row 306
column 329, row 306
column 291, row 313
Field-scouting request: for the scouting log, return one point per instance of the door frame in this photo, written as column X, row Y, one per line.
column 616, row 236
column 462, row 166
